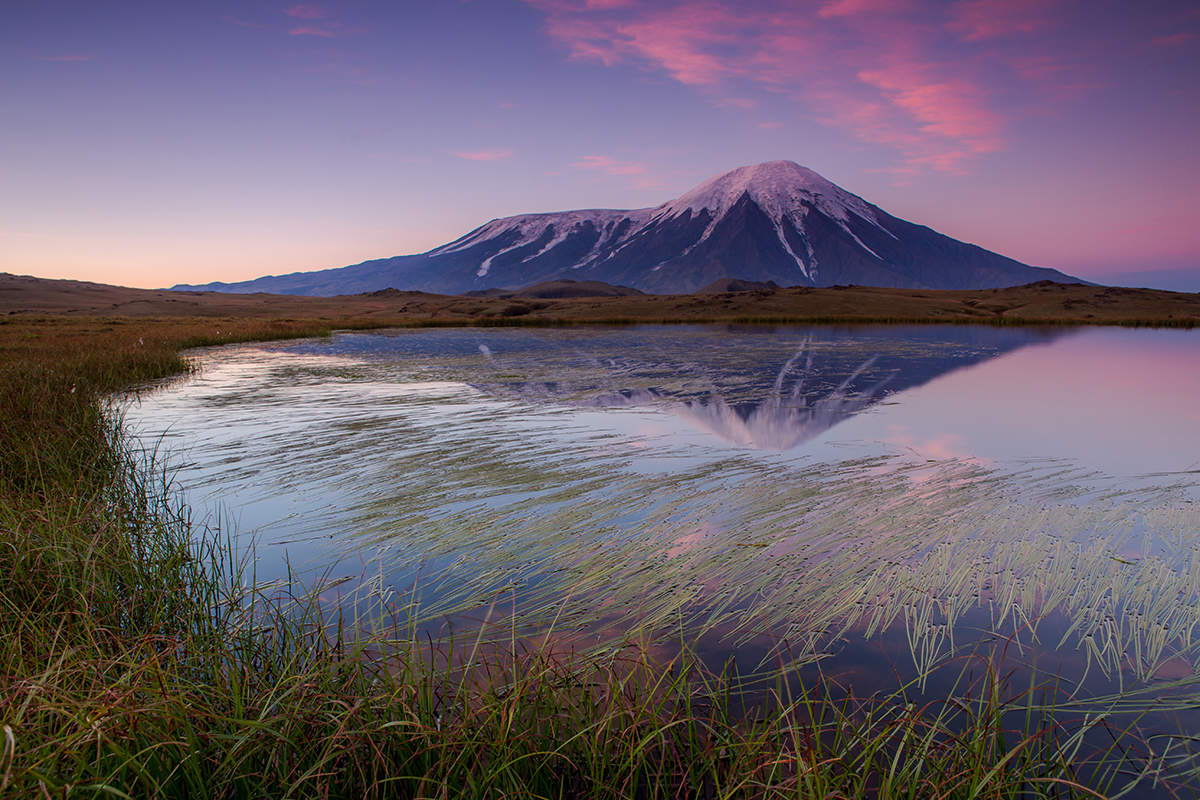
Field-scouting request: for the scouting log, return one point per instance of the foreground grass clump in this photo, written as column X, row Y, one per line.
column 137, row 659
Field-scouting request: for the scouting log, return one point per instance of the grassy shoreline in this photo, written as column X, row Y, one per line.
column 137, row 661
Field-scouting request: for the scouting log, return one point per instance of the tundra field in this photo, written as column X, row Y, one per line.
column 139, row 658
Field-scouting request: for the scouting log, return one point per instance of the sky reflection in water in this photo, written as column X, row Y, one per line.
column 871, row 502
column 810, row 485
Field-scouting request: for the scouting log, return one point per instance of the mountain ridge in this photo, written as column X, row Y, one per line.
column 774, row 221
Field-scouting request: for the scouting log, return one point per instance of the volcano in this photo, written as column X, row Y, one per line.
column 775, row 221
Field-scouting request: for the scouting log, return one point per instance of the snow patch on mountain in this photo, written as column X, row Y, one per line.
column 787, row 246
column 530, row 227
column 486, row 264
column 784, row 190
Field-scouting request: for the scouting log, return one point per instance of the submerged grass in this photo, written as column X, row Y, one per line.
column 139, row 658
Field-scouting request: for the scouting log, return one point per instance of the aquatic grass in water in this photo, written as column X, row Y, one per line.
column 511, row 498
column 142, row 655
column 512, row 494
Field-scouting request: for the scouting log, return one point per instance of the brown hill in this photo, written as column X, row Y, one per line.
column 1041, row 302
column 562, row 288
column 738, row 285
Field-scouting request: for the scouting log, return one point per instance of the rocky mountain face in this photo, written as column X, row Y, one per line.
column 776, row 221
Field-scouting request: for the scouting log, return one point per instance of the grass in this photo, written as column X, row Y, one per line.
column 1042, row 302
column 139, row 658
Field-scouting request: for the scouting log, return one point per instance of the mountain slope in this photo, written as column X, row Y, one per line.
column 776, row 221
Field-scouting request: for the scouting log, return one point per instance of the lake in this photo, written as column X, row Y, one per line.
column 875, row 503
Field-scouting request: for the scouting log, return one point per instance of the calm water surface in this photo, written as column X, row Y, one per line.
column 876, row 501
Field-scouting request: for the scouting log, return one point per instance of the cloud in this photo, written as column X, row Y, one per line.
column 639, row 172
column 846, row 8
column 875, row 68
column 677, row 39
column 314, row 21
column 1173, row 40
column 952, row 109
column 610, row 165
column 770, row 125
column 305, row 11
column 66, row 58
column 975, row 20
column 687, row 41
column 497, row 154
column 326, row 31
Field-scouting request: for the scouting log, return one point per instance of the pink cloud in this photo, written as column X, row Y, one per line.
column 683, row 39
column 314, row 21
column 1056, row 80
column 486, row 155
column 879, row 122
column 934, row 123
column 953, row 109
column 305, row 11
column 328, row 30
column 610, row 165
column 1173, row 40
column 770, row 125
column 872, row 67
column 974, row 20
column 677, row 39
column 846, row 8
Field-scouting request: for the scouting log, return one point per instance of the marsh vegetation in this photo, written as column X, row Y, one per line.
column 546, row 583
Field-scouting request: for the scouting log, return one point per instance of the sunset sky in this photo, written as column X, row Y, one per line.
column 150, row 143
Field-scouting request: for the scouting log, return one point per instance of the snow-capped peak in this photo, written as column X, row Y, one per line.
column 778, row 187
column 784, row 191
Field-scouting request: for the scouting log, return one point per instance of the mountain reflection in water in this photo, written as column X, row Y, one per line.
column 780, row 422
column 814, row 390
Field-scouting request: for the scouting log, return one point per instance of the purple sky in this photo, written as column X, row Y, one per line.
column 149, row 143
